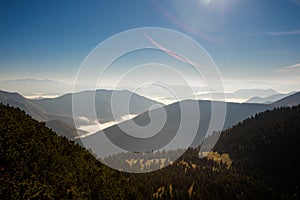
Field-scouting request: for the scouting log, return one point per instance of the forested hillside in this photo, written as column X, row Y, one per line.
column 35, row 163
column 270, row 142
column 256, row 159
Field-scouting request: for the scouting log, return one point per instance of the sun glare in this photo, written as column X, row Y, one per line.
column 204, row 2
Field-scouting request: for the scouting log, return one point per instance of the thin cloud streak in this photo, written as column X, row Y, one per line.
column 289, row 68
column 276, row 52
column 95, row 126
column 169, row 52
column 297, row 2
column 293, row 66
column 281, row 33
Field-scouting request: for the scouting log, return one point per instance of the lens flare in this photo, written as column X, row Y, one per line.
column 204, row 2
column 204, row 18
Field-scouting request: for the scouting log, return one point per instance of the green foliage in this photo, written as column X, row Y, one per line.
column 267, row 144
column 35, row 163
column 264, row 153
column 209, row 179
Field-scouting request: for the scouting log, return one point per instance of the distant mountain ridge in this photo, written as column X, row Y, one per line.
column 255, row 159
column 202, row 93
column 269, row 99
column 63, row 129
column 63, row 105
column 254, row 92
column 250, row 161
column 235, row 113
column 60, row 108
column 27, row 105
column 36, row 87
column 44, row 88
column 291, row 100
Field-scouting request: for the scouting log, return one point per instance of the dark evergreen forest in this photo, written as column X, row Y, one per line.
column 256, row 159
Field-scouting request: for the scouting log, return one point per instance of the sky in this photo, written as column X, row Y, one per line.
column 254, row 43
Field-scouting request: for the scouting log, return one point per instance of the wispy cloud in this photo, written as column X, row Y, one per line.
column 289, row 68
column 94, row 126
column 169, row 52
column 297, row 2
column 280, row 33
column 277, row 52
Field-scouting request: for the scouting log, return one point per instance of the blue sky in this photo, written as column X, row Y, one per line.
column 255, row 43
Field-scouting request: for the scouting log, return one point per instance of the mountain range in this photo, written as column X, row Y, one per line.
column 202, row 93
column 38, row 89
column 57, row 112
column 35, row 88
column 254, row 159
column 269, row 99
column 235, row 113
